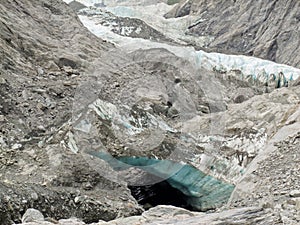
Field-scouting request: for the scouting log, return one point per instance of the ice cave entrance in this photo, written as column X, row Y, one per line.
column 181, row 185
column 161, row 193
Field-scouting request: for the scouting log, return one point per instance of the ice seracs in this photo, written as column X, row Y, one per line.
column 264, row 71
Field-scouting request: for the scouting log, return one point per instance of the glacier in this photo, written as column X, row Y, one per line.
column 249, row 66
column 206, row 187
column 203, row 192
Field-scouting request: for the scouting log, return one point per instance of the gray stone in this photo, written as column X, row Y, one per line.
column 76, row 6
column 261, row 37
column 16, row 146
column 267, row 204
column 71, row 221
column 34, row 196
column 32, row 215
column 2, row 118
column 297, row 204
column 295, row 193
column 2, row 80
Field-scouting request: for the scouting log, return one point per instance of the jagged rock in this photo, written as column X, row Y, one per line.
column 266, row 29
column 182, row 9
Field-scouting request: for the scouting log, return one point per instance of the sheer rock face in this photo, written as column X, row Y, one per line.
column 266, row 29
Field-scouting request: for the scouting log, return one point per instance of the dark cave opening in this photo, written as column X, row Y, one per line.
column 161, row 193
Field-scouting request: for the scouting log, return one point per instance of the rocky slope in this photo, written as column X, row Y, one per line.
column 89, row 130
column 265, row 29
column 44, row 52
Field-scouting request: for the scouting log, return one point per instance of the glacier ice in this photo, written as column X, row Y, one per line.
column 258, row 69
column 203, row 192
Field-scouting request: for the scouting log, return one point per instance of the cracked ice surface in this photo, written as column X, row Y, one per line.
column 248, row 65
column 174, row 28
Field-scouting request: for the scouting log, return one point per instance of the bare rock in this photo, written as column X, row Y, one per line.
column 76, row 6
column 295, row 193
column 32, row 215
column 266, row 29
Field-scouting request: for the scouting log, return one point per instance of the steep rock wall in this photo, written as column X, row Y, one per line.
column 266, row 29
